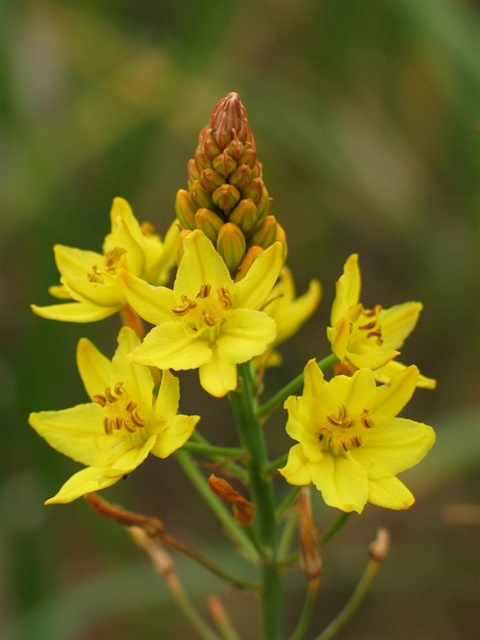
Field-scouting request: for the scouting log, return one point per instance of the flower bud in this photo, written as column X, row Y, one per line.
column 208, row 222
column 193, row 172
column 231, row 245
column 254, row 190
column 211, row 179
column 243, row 509
column 281, row 237
column 264, row 204
column 200, row 195
column 252, row 254
column 180, row 249
column 229, row 121
column 265, row 233
column 185, row 209
column 202, row 161
column 209, row 144
column 309, row 537
column 234, row 148
column 241, row 177
column 244, row 215
column 226, row 197
column 224, row 164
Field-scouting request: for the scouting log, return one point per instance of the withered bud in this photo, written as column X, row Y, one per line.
column 243, row 509
column 379, row 548
column 309, row 537
column 231, row 245
column 161, row 560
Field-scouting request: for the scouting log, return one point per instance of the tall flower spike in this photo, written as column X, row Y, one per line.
column 123, row 423
column 226, row 197
column 89, row 279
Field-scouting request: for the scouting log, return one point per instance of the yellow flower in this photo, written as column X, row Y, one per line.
column 367, row 337
column 208, row 320
column 90, row 279
column 115, row 432
column 289, row 312
column 351, row 445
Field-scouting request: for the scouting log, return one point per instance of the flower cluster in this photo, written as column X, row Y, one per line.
column 232, row 302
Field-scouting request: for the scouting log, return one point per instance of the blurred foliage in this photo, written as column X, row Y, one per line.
column 367, row 125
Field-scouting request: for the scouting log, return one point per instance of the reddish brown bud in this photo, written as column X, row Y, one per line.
column 224, row 164
column 229, row 121
column 211, row 180
column 243, row 509
column 309, row 537
column 226, row 196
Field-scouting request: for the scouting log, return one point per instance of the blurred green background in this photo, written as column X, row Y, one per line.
column 366, row 120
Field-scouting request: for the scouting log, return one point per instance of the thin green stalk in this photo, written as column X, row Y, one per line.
column 336, row 526
column 276, row 464
column 352, row 605
column 213, row 451
column 307, row 612
column 234, row 469
column 287, row 502
column 293, row 386
column 218, row 508
column 261, row 488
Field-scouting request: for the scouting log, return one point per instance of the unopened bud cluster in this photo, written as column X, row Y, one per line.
column 226, row 197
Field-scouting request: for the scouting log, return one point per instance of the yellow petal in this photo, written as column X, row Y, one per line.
column 166, row 404
column 78, row 433
column 398, row 322
column 137, row 379
column 355, row 393
column 218, row 377
column 122, row 211
column 390, row 493
column 297, row 312
column 339, row 337
column 245, row 334
column 152, row 304
column 175, row 436
column 133, row 457
column 85, row 481
column 74, row 312
column 347, row 289
column 200, row 264
column 253, row 290
column 385, row 374
column 392, row 397
column 169, row 347
column 393, row 445
column 296, row 471
column 302, row 425
column 99, row 293
column 343, row 482
column 94, row 367
column 76, row 263
column 373, row 358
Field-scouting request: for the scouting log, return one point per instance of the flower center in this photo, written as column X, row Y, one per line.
column 120, row 410
column 206, row 312
column 110, row 265
column 344, row 431
column 367, row 324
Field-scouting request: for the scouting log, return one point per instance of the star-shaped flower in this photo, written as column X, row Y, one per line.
column 90, row 279
column 351, row 445
column 123, row 423
column 368, row 337
column 208, row 321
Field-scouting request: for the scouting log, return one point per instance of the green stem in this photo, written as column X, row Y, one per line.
column 352, row 605
column 287, row 502
column 276, row 464
column 219, row 509
column 336, row 526
column 212, row 451
column 184, row 603
column 261, row 488
column 291, row 387
column 308, row 608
